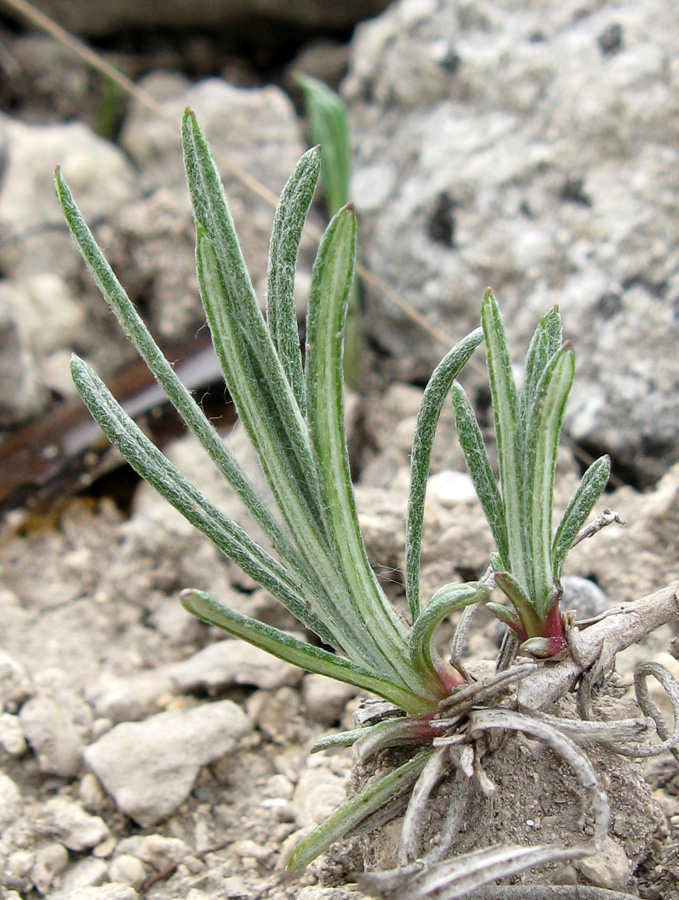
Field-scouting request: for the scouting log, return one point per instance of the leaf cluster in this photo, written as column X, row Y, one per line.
column 294, row 418
column 518, row 505
column 292, row 407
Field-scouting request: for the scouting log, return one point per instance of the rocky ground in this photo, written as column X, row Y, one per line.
column 141, row 754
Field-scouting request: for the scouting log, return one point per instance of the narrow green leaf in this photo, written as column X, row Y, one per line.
column 423, row 655
column 506, row 615
column 355, row 811
column 330, row 283
column 541, row 446
column 509, row 586
column 314, row 659
column 582, row 502
column 135, row 329
column 554, row 330
column 546, row 341
column 329, row 125
column 504, row 401
column 254, row 373
column 480, row 470
column 272, row 427
column 286, row 234
column 425, row 431
column 155, row 468
column 268, row 415
column 341, row 739
column 266, row 405
column 396, row 732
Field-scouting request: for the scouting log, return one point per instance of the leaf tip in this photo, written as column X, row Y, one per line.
column 59, row 183
column 187, row 596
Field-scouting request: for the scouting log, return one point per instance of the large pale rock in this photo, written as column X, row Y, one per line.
column 214, row 668
column 534, row 149
column 131, row 698
column 324, row 698
column 114, row 891
column 256, row 131
column 22, row 392
column 149, row 767
column 233, row 662
column 36, row 240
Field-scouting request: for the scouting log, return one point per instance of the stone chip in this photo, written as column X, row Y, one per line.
column 150, row 767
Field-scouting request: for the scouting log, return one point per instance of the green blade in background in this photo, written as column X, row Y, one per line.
column 329, row 127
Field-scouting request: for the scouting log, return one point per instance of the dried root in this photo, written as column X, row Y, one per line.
column 465, row 728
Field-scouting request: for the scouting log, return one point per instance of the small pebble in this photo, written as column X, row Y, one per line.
column 450, row 488
column 279, row 786
column 12, row 738
column 50, row 862
column 85, row 872
column 68, row 821
column 10, row 801
column 106, row 848
column 127, row 870
column 194, row 865
column 318, row 793
column 155, row 849
column 607, row 869
column 247, row 848
column 99, row 892
column 90, row 792
column 15, row 684
column 232, row 662
column 19, row 864
column 583, row 596
column 325, row 699
column 235, row 887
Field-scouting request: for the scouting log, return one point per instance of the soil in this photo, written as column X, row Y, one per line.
column 546, row 804
column 92, row 595
column 89, row 594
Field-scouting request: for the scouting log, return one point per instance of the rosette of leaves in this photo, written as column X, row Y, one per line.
column 518, row 505
column 293, row 414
